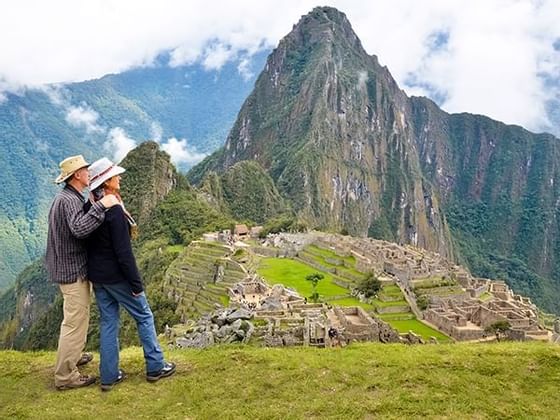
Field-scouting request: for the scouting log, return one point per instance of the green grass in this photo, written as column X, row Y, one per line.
column 485, row 296
column 419, row 328
column 350, row 301
column 292, row 273
column 380, row 304
column 429, row 282
column 175, row 248
column 326, row 253
column 391, row 290
column 482, row 381
column 224, row 300
column 396, row 316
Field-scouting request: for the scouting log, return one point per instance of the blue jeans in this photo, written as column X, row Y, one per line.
column 109, row 297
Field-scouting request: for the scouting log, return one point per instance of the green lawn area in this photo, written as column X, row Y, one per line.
column 419, row 328
column 362, row 381
column 326, row 253
column 292, row 273
column 380, row 304
column 175, row 248
column 396, row 316
column 320, row 256
column 350, row 301
column 391, row 290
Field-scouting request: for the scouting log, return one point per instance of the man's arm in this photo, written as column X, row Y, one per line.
column 82, row 223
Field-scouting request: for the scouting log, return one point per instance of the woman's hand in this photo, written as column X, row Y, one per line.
column 137, row 294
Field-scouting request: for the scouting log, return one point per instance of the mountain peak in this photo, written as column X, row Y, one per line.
column 324, row 24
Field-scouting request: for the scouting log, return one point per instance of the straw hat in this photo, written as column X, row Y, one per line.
column 69, row 166
column 101, row 170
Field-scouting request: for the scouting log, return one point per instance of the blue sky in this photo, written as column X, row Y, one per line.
column 500, row 58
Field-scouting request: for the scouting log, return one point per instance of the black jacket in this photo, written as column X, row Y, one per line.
column 109, row 251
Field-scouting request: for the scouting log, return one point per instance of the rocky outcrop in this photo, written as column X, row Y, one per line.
column 149, row 177
column 223, row 326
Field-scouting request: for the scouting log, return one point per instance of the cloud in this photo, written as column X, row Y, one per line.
column 216, row 55
column 84, row 116
column 244, row 68
column 118, row 144
column 499, row 58
column 180, row 152
column 362, row 79
column 156, row 131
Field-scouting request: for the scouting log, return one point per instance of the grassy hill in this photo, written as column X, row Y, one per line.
column 505, row 380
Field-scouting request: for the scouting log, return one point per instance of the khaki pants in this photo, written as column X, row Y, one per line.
column 73, row 331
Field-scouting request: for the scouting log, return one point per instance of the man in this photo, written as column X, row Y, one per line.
column 66, row 263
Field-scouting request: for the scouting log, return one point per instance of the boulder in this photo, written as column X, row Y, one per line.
column 239, row 314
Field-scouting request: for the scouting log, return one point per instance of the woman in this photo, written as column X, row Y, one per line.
column 116, row 282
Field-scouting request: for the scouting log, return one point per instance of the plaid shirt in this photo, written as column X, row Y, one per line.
column 66, row 257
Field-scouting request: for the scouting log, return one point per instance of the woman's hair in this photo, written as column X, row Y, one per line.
column 98, row 193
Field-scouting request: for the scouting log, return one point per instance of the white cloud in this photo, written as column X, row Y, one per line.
column 216, row 56
column 84, row 116
column 244, row 68
column 181, row 153
column 495, row 58
column 156, row 131
column 118, row 144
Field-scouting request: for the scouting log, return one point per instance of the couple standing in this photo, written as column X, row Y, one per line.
column 105, row 259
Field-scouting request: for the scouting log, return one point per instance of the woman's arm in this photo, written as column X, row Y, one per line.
column 120, row 238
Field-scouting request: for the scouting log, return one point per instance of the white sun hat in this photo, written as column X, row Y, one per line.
column 101, row 170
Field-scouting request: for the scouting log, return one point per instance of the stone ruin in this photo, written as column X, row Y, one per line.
column 278, row 316
column 464, row 314
column 467, row 319
column 223, row 326
column 284, row 318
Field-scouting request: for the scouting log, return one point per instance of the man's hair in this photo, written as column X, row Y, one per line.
column 70, row 178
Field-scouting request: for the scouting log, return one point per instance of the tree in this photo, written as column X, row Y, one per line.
column 498, row 327
column 314, row 279
column 423, row 302
column 370, row 285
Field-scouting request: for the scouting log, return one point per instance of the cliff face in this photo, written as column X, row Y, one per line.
column 349, row 150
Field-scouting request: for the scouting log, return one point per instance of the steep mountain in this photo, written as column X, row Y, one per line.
column 38, row 128
column 149, row 177
column 351, row 151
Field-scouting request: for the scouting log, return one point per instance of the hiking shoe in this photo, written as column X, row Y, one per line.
column 83, row 380
column 168, row 369
column 120, row 378
column 85, row 359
